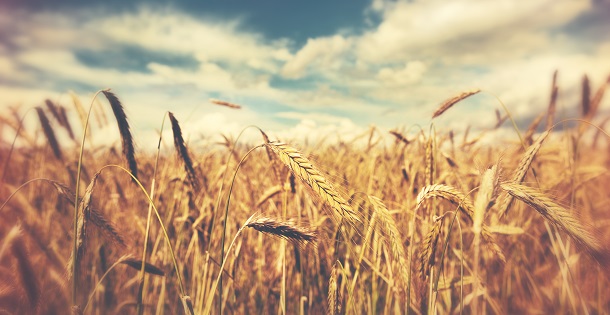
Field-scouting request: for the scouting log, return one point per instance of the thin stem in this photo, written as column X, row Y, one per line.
column 208, row 306
column 224, row 225
column 140, row 301
column 76, row 193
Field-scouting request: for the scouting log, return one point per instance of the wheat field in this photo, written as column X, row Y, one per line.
column 411, row 221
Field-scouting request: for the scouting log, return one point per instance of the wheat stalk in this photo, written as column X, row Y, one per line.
column 310, row 175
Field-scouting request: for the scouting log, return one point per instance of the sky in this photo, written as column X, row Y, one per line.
column 303, row 70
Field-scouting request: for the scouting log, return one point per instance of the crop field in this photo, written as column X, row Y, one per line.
column 417, row 220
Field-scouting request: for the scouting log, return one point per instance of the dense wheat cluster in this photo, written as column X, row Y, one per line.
column 418, row 221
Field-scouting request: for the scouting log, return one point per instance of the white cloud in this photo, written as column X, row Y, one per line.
column 411, row 73
column 208, row 39
column 318, row 53
column 410, row 27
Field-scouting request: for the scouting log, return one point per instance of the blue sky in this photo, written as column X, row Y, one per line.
column 303, row 67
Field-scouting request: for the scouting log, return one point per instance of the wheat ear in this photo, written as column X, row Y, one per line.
column 452, row 101
column 225, row 103
column 308, row 173
column 392, row 238
column 463, row 202
column 96, row 217
column 519, row 175
column 558, row 216
column 334, row 295
column 552, row 103
column 13, row 241
column 81, row 230
column 428, row 247
column 183, row 152
column 49, row 133
column 124, row 130
column 287, row 229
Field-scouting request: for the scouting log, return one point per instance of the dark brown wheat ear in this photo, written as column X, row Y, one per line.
column 125, row 131
column 59, row 112
column 49, row 133
column 183, row 152
column 288, row 229
column 225, row 103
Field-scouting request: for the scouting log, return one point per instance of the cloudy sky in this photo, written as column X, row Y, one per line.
column 303, row 67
